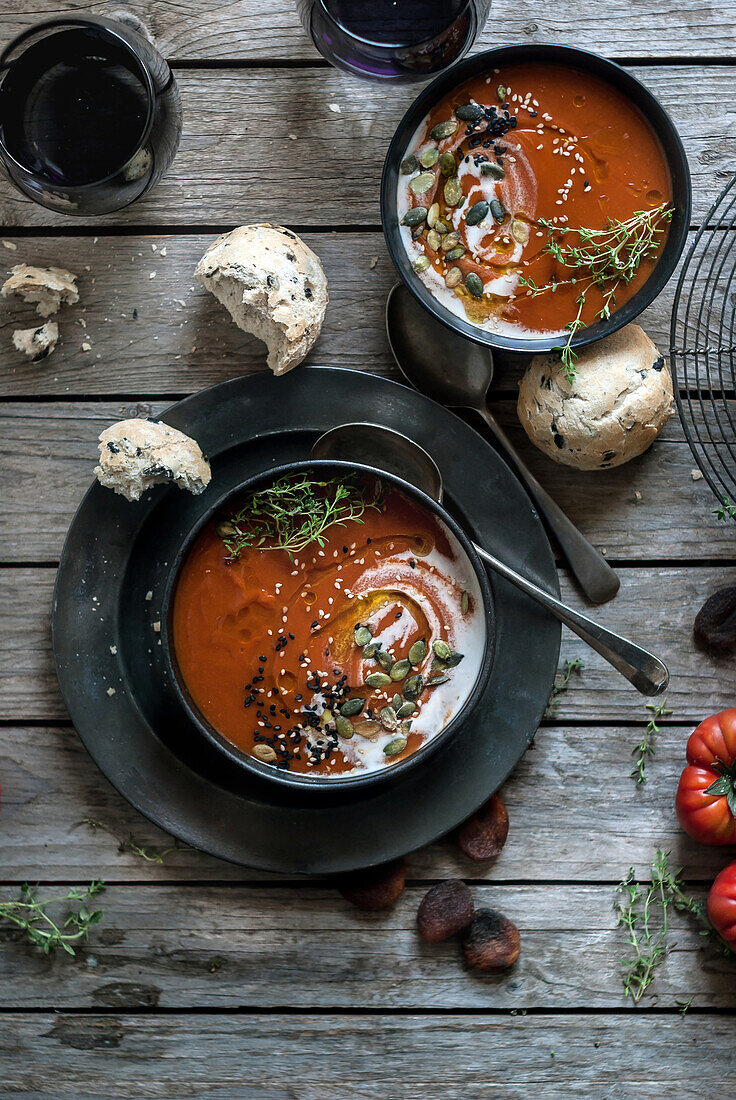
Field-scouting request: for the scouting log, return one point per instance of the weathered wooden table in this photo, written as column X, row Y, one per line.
column 208, row 980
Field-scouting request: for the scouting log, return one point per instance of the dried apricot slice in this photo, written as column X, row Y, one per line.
column 484, row 834
column 375, row 887
column 491, row 941
column 445, row 909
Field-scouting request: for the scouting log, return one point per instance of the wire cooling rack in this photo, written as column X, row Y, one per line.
column 702, row 347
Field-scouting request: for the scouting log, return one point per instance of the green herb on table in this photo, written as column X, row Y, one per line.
column 645, row 747
column 683, row 1006
column 643, row 911
column 30, row 914
column 604, row 258
column 295, row 511
column 726, row 511
column 562, row 681
column 150, row 852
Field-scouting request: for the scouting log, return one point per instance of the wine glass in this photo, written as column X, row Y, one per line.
column 395, row 41
column 90, row 115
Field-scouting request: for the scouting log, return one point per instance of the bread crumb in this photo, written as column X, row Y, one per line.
column 373, row 262
column 696, row 475
column 113, row 649
column 637, row 494
column 111, row 691
column 335, row 108
column 10, row 245
column 149, row 594
column 292, row 137
column 157, row 627
column 86, row 346
column 152, row 275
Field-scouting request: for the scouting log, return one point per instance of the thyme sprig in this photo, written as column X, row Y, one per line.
column 726, row 511
column 297, row 510
column 606, row 258
column 31, row 915
column 643, row 912
column 562, row 680
column 645, row 748
column 150, row 852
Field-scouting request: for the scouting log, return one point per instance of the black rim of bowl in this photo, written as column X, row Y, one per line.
column 571, row 57
column 299, row 780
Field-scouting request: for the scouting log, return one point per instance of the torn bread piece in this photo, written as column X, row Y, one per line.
column 48, row 287
column 137, row 454
column 37, row 343
column 272, row 285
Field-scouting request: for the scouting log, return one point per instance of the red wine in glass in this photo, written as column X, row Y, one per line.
column 396, row 41
column 90, row 116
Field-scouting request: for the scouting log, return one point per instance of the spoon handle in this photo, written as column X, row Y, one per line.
column 595, row 576
column 646, row 672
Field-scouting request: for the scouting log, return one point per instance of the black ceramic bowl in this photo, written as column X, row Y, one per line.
column 572, row 58
column 358, row 782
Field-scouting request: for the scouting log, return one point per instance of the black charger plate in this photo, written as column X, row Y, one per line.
column 104, row 638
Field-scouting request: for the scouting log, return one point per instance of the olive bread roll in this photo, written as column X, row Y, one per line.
column 137, row 454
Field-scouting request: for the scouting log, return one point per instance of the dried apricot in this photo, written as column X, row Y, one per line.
column 491, row 941
column 484, row 834
column 375, row 887
column 445, row 909
column 715, row 623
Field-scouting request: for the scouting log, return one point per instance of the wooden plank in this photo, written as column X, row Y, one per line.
column 656, row 607
column 48, row 452
column 336, row 1057
column 254, row 947
column 556, row 802
column 165, row 335
column 237, row 162
column 191, row 30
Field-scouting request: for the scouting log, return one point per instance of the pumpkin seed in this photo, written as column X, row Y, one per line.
column 396, row 702
column 378, row 680
column 477, row 213
column 389, row 721
column 434, row 240
column 443, row 130
column 455, row 254
column 490, row 168
column 453, row 277
column 325, row 717
column 418, row 652
column 343, row 727
column 520, row 231
column 415, row 216
column 394, row 747
column 400, row 670
column 362, row 635
column 454, row 659
column 265, row 753
column 461, row 204
column 474, row 284
column 429, row 158
column 405, row 727
column 501, row 93
column 469, row 112
column 448, row 164
column 451, row 240
column 408, row 165
column 441, row 227
column 465, row 603
column 371, row 650
column 433, row 214
column 435, row 681
column 417, row 232
column 413, row 688
column 453, row 191
column 367, row 728
column 498, row 210
column 225, row 529
column 441, row 649
column 405, row 710
column 421, row 183
column 385, row 659
column 352, row 707
column 421, row 264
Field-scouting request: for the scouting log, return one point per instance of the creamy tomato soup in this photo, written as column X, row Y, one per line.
column 344, row 655
column 514, row 163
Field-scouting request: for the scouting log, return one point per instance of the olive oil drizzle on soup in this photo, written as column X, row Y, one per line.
column 341, row 657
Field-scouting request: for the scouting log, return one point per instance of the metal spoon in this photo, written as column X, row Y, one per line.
column 384, row 449
column 423, row 348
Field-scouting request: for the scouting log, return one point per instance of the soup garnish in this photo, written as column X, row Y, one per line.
column 534, row 200
column 328, row 625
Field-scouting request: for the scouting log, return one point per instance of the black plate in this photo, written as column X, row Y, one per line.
column 103, row 635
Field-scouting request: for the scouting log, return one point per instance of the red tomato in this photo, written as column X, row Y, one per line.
column 722, row 904
column 706, row 796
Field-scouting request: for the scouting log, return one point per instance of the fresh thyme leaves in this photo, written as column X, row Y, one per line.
column 684, row 1005
column 606, row 258
column 726, row 511
column 645, row 747
column 561, row 683
column 295, row 511
column 150, row 852
column 643, row 912
column 32, row 917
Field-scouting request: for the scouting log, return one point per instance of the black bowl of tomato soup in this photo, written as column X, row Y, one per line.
column 497, row 218
column 328, row 627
